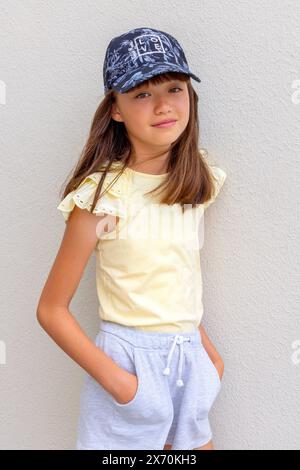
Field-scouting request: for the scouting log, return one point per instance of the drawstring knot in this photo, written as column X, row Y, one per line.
column 178, row 339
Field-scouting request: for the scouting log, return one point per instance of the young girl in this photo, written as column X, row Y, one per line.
column 136, row 199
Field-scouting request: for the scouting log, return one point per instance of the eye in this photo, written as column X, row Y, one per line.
column 137, row 97
column 175, row 88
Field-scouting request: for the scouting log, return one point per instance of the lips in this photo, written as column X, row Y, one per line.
column 167, row 121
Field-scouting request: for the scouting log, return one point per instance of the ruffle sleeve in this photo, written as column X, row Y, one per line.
column 218, row 174
column 219, row 179
column 112, row 202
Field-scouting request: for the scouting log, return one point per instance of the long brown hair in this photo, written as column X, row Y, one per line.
column 189, row 179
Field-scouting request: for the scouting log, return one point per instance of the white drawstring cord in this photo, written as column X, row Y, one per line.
column 178, row 339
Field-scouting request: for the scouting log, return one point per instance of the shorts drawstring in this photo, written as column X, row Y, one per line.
column 178, row 339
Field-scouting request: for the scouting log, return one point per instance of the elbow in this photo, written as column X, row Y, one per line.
column 43, row 313
column 41, row 316
column 47, row 314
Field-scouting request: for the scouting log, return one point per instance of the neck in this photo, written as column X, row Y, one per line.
column 155, row 165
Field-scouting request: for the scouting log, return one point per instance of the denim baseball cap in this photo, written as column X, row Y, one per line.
column 139, row 55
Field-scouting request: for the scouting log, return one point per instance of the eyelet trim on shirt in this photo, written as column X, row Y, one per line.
column 113, row 201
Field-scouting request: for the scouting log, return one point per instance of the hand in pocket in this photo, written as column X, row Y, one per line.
column 128, row 387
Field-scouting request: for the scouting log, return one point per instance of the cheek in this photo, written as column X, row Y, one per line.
column 138, row 115
column 185, row 105
column 136, row 123
column 184, row 110
column 141, row 117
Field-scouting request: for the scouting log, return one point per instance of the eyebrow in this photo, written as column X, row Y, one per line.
column 168, row 83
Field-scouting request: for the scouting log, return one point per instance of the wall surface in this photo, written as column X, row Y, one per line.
column 247, row 56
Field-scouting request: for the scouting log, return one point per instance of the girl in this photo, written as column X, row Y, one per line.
column 152, row 374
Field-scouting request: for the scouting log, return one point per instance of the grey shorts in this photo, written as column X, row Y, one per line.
column 177, row 386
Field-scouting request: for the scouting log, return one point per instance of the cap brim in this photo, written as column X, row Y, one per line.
column 148, row 72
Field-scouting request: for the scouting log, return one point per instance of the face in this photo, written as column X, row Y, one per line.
column 140, row 109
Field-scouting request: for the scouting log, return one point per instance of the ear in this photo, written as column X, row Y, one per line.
column 115, row 113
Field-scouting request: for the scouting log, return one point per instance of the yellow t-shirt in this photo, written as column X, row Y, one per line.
column 148, row 271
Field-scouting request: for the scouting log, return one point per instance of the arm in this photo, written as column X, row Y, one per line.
column 212, row 352
column 53, row 314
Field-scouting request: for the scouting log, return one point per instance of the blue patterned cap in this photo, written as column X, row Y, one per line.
column 139, row 55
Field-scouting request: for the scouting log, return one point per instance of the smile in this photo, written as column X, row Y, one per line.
column 166, row 124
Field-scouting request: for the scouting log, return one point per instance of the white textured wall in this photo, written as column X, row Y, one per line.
column 247, row 55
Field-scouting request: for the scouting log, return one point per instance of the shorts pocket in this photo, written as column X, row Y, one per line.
column 135, row 399
column 151, row 403
column 125, row 356
column 208, row 384
column 212, row 367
